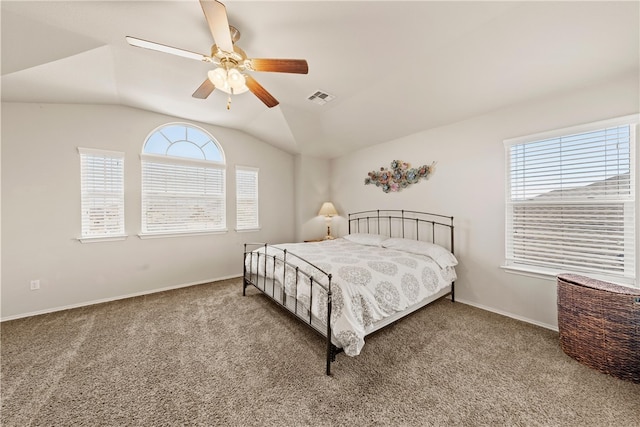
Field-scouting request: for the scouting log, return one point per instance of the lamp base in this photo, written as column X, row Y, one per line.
column 329, row 236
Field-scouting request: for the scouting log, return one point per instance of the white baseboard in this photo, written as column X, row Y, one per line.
column 185, row 285
column 100, row 301
column 507, row 314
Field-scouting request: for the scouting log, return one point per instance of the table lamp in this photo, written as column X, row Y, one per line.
column 328, row 210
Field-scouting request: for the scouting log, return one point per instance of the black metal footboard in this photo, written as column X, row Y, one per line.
column 273, row 272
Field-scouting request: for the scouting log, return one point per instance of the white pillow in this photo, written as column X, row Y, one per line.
column 366, row 239
column 442, row 256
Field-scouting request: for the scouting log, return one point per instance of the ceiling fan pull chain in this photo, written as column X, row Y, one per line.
column 229, row 101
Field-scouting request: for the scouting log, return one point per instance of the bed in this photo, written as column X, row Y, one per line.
column 389, row 264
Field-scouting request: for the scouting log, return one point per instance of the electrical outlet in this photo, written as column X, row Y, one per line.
column 35, row 285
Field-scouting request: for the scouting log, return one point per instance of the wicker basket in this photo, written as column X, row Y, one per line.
column 599, row 325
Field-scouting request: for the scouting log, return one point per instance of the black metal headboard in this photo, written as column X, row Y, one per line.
column 415, row 225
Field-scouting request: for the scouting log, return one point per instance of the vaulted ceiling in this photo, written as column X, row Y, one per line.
column 395, row 68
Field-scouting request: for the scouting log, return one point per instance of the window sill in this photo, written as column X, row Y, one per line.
column 248, row 230
column 551, row 275
column 144, row 236
column 530, row 272
column 102, row 239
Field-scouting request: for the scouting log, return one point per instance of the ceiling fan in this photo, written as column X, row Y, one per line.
column 231, row 61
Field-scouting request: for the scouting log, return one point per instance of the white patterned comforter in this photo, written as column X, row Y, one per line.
column 369, row 283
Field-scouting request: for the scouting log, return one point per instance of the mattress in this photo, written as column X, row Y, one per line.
column 371, row 286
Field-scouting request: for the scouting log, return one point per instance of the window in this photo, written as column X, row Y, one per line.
column 101, row 194
column 183, row 182
column 571, row 201
column 246, row 198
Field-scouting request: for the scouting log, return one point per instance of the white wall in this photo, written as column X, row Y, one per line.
column 312, row 189
column 41, row 209
column 468, row 183
column 41, row 202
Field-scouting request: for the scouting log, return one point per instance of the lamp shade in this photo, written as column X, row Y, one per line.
column 235, row 79
column 328, row 209
column 218, row 77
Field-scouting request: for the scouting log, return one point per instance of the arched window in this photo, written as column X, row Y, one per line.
column 183, row 181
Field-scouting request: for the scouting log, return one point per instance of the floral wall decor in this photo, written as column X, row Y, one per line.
column 399, row 176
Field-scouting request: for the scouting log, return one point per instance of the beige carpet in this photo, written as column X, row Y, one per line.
column 207, row 356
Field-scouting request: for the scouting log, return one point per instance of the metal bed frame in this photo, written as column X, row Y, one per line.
column 394, row 223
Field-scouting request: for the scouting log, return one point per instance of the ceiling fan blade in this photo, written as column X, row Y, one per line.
column 204, row 90
column 261, row 92
column 298, row 66
column 216, row 14
column 167, row 49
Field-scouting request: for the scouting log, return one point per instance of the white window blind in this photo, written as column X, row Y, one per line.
column 571, row 201
column 178, row 197
column 246, row 198
column 102, row 193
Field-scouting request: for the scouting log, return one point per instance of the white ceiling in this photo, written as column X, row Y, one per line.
column 395, row 68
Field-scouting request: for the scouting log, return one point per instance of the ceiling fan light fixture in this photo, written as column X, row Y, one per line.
column 241, row 89
column 229, row 81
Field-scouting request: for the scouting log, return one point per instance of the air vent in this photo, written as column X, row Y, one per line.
column 320, row 97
